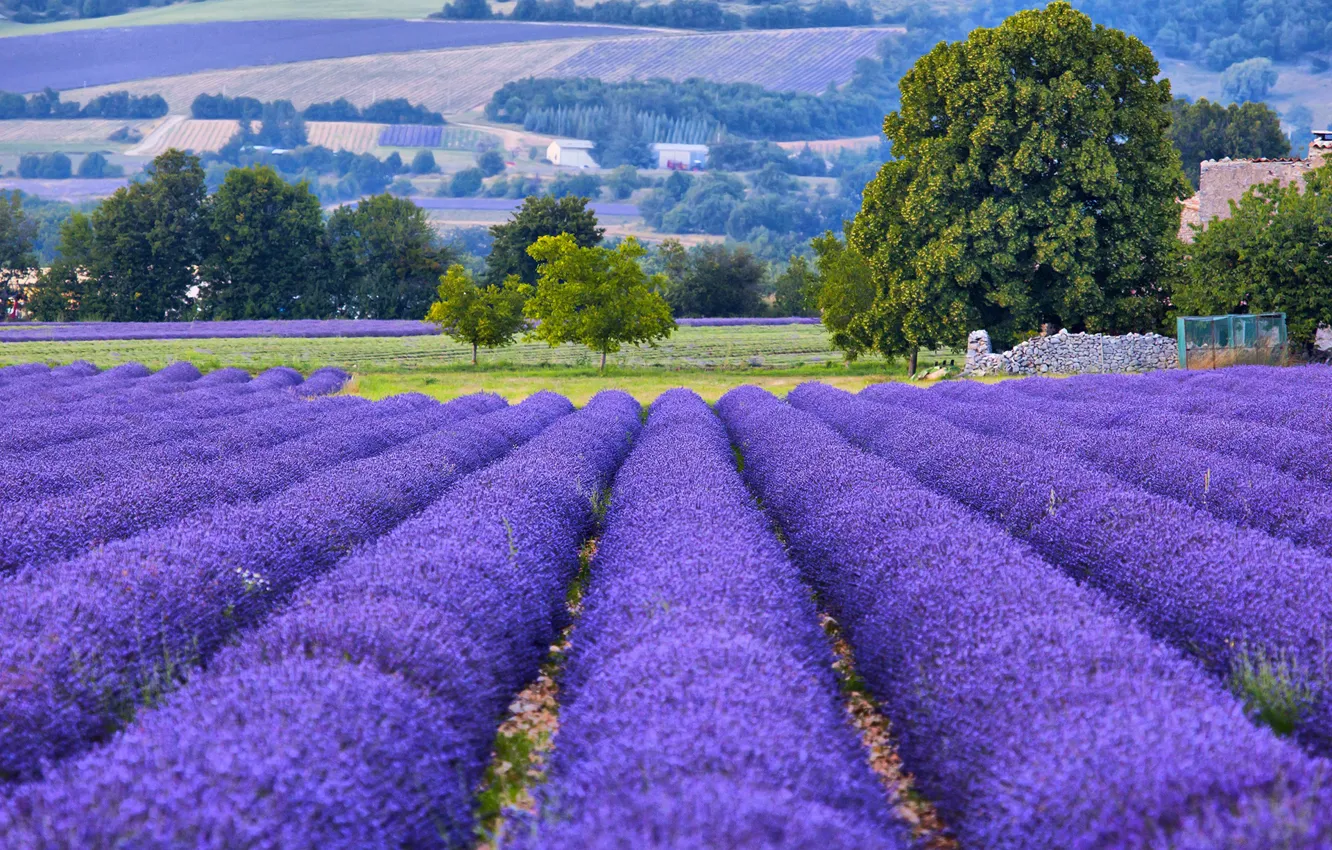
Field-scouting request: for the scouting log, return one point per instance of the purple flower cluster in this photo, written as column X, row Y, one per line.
column 42, row 529
column 411, row 136
column 1223, row 593
column 1026, row 707
column 698, row 706
column 363, row 715
column 325, row 381
column 94, row 635
column 1152, row 458
column 94, row 331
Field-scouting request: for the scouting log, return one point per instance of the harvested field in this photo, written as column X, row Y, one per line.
column 354, row 136
column 119, row 55
column 197, row 135
column 73, row 131
column 459, row 80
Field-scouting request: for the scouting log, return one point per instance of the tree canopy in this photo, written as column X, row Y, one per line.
column 266, row 233
column 479, row 315
column 17, row 257
column 385, row 260
column 1274, row 254
column 1206, row 130
column 595, row 296
column 1034, row 182
column 538, row 217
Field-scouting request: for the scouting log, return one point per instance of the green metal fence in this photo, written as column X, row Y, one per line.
column 1211, row 342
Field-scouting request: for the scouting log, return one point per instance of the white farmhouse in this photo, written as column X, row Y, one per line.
column 680, row 156
column 573, row 153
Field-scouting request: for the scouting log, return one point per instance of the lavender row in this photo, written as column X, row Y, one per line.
column 698, row 706
column 1227, row 487
column 1025, row 707
column 314, row 328
column 93, row 637
column 363, row 716
column 163, row 443
column 1258, row 400
column 1239, row 600
column 1303, row 455
column 40, row 531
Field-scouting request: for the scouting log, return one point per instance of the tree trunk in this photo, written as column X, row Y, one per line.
column 603, row 361
column 911, row 364
column 473, row 354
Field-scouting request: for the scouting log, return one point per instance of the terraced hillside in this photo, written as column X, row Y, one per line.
column 460, row 79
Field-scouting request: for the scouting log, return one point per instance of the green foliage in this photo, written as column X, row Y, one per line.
column 17, row 257
column 538, row 216
column 623, row 181
column 1034, row 182
column 384, row 260
column 580, row 184
column 843, row 292
column 689, row 111
column 466, row 183
column 1271, row 255
column 147, row 244
column 95, row 165
column 479, row 315
column 424, row 163
column 1206, row 130
column 47, row 104
column 713, row 280
column 266, row 237
column 793, row 286
column 490, row 163
column 51, row 166
column 1249, row 80
column 62, row 292
column 595, row 296
column 1272, row 688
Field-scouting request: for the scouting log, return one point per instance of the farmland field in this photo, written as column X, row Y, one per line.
column 1032, row 615
column 192, row 134
column 71, row 134
column 102, row 57
column 463, row 79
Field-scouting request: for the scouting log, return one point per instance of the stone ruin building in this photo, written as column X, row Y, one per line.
column 1227, row 180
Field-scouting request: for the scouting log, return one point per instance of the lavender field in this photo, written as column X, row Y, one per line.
column 237, row 611
column 71, row 60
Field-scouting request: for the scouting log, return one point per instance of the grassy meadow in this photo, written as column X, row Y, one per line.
column 710, row 360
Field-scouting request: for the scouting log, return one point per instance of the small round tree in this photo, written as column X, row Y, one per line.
column 482, row 316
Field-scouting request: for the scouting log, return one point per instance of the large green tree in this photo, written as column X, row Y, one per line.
column 717, row 281
column 147, row 244
column 480, row 315
column 1274, row 254
column 265, row 245
column 538, row 216
column 1206, row 130
column 1034, row 181
column 595, row 296
column 386, row 260
column 18, row 260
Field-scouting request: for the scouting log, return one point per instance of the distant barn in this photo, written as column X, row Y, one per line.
column 574, row 153
column 680, row 157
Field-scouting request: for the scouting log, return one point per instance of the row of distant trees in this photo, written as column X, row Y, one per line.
column 257, row 248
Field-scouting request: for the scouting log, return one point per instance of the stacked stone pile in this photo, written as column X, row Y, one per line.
column 1072, row 354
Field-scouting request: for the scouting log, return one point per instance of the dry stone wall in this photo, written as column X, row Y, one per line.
column 1072, row 354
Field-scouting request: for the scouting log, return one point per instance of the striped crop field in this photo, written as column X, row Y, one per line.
column 782, row 60
column 829, row 147
column 411, row 136
column 197, row 135
column 80, row 131
column 462, row 79
column 354, row 136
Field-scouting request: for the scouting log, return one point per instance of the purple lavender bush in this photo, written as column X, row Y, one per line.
column 1026, row 707
column 364, row 715
column 98, row 635
column 1227, row 487
column 698, row 705
column 325, row 381
column 1252, row 608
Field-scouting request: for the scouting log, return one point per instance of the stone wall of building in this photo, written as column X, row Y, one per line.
column 1072, row 354
column 1227, row 180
